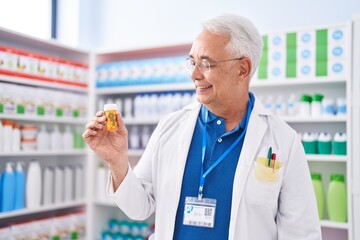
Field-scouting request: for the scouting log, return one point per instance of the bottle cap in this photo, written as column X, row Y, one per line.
column 318, row 97
column 305, row 98
column 110, row 106
column 337, row 177
column 316, row 176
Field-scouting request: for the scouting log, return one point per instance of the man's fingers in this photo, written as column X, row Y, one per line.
column 88, row 133
column 94, row 125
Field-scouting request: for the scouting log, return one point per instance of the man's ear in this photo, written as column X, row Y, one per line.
column 245, row 68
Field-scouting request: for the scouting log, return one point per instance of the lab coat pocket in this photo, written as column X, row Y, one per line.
column 263, row 183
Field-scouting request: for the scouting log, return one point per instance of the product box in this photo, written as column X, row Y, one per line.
column 22, row 231
column 8, row 58
column 337, row 35
column 277, row 40
column 276, row 71
column 5, row 233
column 337, row 68
column 306, row 38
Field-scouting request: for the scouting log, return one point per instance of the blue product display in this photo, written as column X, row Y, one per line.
column 19, row 187
column 7, row 189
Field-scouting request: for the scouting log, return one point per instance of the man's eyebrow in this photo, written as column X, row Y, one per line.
column 202, row 57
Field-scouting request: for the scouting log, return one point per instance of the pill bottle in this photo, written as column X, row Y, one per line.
column 305, row 105
column 110, row 110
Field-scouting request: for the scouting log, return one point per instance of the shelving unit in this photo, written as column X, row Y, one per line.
column 73, row 157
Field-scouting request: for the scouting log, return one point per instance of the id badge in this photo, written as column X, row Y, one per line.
column 199, row 213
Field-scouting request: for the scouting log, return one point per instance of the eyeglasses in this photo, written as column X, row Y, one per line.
column 205, row 65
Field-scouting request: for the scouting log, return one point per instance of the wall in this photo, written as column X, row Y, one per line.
column 110, row 24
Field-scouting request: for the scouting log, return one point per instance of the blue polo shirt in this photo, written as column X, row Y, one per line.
column 218, row 183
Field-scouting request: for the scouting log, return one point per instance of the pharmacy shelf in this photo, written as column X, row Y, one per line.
column 42, row 209
column 331, row 224
column 63, row 85
column 44, row 119
column 298, row 119
column 326, row 158
column 105, row 203
column 75, row 152
column 297, row 82
column 146, row 88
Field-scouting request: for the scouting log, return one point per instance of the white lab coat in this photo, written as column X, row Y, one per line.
column 284, row 210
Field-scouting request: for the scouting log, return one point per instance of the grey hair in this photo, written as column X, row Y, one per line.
column 245, row 39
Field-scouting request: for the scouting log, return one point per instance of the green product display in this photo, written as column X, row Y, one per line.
column 1, row 108
column 310, row 147
column 41, row 110
column 319, row 193
column 263, row 64
column 20, row 109
column 337, row 199
column 339, row 148
column 78, row 141
column 321, row 64
column 317, row 97
column 291, row 55
column 306, row 98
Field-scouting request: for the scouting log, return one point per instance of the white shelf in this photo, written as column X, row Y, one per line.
column 145, row 88
column 298, row 119
column 41, row 209
column 295, row 82
column 42, row 83
column 42, row 119
column 326, row 158
column 331, row 224
column 74, row 152
column 106, row 203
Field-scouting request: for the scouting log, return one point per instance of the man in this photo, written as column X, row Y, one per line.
column 222, row 169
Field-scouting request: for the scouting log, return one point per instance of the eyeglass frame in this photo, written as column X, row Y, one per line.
column 211, row 64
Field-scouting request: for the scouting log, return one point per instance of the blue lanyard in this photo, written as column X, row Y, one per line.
column 219, row 160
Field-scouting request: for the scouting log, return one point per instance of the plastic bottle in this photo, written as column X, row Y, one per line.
column 78, row 182
column 7, row 189
column 316, row 110
column 337, row 198
column 341, row 106
column 305, row 105
column 8, row 132
column 269, row 104
column 328, row 107
column 19, row 187
column 78, row 140
column 43, row 139
column 59, row 185
column 55, row 139
column 145, row 136
column 309, row 141
column 324, row 143
column 292, row 106
column 67, row 138
column 33, row 185
column 48, row 186
column 134, row 138
column 111, row 120
column 68, row 184
column 319, row 193
column 280, row 106
column 1, row 136
column 340, row 143
column 16, row 138
column 101, row 182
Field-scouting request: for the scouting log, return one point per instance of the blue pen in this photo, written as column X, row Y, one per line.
column 269, row 156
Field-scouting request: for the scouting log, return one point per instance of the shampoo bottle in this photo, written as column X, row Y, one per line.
column 43, row 139
column 69, row 183
column 55, row 139
column 59, row 185
column 33, row 185
column 48, row 192
column 19, row 187
column 319, row 193
column 7, row 189
column 16, row 138
column 337, row 199
column 67, row 138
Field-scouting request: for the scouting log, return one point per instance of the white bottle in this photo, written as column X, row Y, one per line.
column 43, row 139
column 33, row 185
column 101, row 182
column 128, row 108
column 280, row 106
column 134, row 138
column 69, row 184
column 145, row 136
column 59, row 185
column 269, row 104
column 79, row 192
column 67, row 138
column 55, row 139
column 8, row 132
column 1, row 136
column 292, row 106
column 16, row 138
column 48, row 186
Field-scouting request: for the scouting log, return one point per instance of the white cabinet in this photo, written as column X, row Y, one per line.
column 28, row 75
